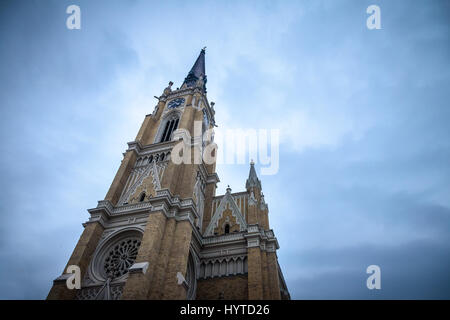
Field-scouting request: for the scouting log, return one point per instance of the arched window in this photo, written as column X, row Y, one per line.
column 227, row 228
column 170, row 126
column 142, row 198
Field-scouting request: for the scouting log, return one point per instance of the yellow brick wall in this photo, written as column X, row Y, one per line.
column 178, row 260
column 255, row 279
column 220, row 229
column 230, row 288
column 138, row 284
column 157, row 285
column 147, row 186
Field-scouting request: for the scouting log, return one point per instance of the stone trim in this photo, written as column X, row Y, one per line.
column 140, row 150
column 226, row 238
column 185, row 209
column 139, row 267
column 227, row 198
column 223, row 267
column 264, row 239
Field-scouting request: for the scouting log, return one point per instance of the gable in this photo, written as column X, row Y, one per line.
column 226, row 207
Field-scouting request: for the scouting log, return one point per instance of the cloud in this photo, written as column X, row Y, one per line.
column 363, row 115
column 417, row 270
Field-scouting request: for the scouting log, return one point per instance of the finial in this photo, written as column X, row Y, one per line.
column 252, row 180
column 228, row 189
column 204, row 48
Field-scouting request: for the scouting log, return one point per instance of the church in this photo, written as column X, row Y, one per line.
column 162, row 232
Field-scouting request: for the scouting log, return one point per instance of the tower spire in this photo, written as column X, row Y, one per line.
column 197, row 72
column 252, row 180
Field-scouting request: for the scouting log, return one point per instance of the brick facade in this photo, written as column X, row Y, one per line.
column 194, row 244
column 227, row 288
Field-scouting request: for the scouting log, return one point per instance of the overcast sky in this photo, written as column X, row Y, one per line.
column 363, row 118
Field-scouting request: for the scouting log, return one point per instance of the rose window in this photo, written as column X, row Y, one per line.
column 121, row 257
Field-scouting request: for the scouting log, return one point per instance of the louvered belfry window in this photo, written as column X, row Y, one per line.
column 170, row 127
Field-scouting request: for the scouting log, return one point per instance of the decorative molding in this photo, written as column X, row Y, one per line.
column 227, row 198
column 139, row 267
column 156, row 171
column 154, row 165
column 182, row 281
column 150, row 149
column 96, row 274
column 135, row 178
column 253, row 243
column 180, row 92
column 253, row 228
column 226, row 238
column 263, row 205
column 199, row 194
column 223, row 267
column 168, row 115
column 62, row 278
column 92, row 292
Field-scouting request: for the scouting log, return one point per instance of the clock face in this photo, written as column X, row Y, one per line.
column 175, row 103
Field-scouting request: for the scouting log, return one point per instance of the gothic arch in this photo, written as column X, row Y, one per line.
column 192, row 273
column 172, row 116
column 125, row 241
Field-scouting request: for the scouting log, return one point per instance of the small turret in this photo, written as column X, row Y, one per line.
column 252, row 181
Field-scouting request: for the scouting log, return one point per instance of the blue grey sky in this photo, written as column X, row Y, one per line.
column 363, row 115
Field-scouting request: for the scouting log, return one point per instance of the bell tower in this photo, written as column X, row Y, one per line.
column 161, row 232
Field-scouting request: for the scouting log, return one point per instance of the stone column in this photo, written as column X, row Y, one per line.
column 138, row 283
column 264, row 217
column 178, row 261
column 207, row 212
column 265, row 276
column 252, row 213
column 187, row 119
column 157, row 285
column 255, row 279
column 274, row 282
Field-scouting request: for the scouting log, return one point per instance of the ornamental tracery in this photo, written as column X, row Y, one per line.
column 115, row 256
column 109, row 267
column 121, row 257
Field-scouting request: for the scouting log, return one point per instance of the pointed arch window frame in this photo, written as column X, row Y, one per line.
column 166, row 119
